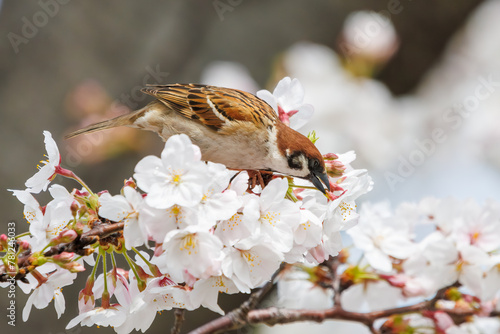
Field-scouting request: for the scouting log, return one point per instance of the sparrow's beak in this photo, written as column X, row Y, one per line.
column 316, row 179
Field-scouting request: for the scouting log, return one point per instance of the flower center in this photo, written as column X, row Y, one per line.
column 474, row 237
column 176, row 179
column 270, row 217
column 175, row 210
column 189, row 243
column 206, row 196
column 377, row 241
column 250, row 258
column 346, row 210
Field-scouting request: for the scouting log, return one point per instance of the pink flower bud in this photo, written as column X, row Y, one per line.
column 330, row 156
column 24, row 244
column 73, row 267
column 334, row 167
column 413, row 288
column 68, row 236
column 74, row 208
column 64, row 257
column 398, row 281
column 64, row 237
column 3, row 241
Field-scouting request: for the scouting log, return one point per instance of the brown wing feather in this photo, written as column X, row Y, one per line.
column 213, row 106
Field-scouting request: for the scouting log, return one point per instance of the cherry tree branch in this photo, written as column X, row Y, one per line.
column 333, row 264
column 273, row 315
column 77, row 246
column 179, row 320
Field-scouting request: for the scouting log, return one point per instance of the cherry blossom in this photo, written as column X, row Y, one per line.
column 113, row 316
column 46, row 173
column 158, row 222
column 206, row 291
column 218, row 202
column 57, row 214
column 381, row 238
column 297, row 290
column 160, row 294
column 192, row 250
column 125, row 208
column 117, row 285
column 249, row 263
column 177, row 178
column 287, row 100
column 48, row 290
column 272, row 217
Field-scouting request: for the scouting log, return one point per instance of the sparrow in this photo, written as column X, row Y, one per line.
column 231, row 127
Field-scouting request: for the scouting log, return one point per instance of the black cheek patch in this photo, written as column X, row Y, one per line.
column 294, row 160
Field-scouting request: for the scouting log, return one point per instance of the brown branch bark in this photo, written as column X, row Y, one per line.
column 273, row 315
column 76, row 246
column 179, row 320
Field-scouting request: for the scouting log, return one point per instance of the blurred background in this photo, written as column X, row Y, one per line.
column 411, row 86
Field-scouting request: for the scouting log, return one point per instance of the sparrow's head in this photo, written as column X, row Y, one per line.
column 297, row 156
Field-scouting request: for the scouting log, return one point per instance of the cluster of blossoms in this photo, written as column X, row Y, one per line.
column 203, row 230
column 446, row 250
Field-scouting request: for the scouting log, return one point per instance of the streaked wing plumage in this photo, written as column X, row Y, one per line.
column 213, row 106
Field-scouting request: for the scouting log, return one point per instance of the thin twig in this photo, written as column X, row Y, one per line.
column 179, row 320
column 333, row 264
column 104, row 230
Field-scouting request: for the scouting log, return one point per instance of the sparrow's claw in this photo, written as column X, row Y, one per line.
column 258, row 177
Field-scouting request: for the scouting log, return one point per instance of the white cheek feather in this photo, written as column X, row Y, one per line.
column 279, row 162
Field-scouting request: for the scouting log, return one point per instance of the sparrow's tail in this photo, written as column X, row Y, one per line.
column 128, row 119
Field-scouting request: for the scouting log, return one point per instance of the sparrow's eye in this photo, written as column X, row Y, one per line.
column 314, row 164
